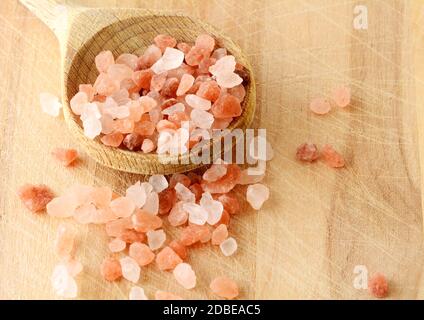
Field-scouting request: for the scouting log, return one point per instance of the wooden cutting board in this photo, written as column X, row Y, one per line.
column 319, row 223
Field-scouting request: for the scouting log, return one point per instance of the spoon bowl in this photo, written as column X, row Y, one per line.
column 84, row 32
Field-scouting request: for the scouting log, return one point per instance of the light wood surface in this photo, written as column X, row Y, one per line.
column 319, row 223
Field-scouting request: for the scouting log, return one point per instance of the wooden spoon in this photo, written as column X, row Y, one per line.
column 84, row 32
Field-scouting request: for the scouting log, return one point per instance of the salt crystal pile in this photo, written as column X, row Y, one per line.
column 140, row 103
column 50, row 104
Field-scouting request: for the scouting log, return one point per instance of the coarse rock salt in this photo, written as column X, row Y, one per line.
column 63, row 283
column 185, row 84
column 215, row 172
column 185, row 275
column 213, row 207
column 65, row 156
column 104, row 60
column 167, row 259
column 111, row 269
column 137, row 293
column 117, row 245
column 184, row 194
column 143, row 221
column 152, row 203
column 256, row 195
column 219, row 235
column 156, row 239
column 137, row 193
column 65, row 241
column 228, row 246
column 62, row 207
column 202, row 118
column 224, row 287
column 85, row 213
column 320, row 106
column 171, row 59
column 179, row 249
column 178, row 107
column 130, row 269
column 342, row 96
column 141, row 253
column 331, row 157
column 197, row 102
column 196, row 213
column 378, row 286
column 178, row 216
column 158, row 182
column 35, row 197
column 92, row 127
column 50, row 104
column 122, row 207
column 307, row 152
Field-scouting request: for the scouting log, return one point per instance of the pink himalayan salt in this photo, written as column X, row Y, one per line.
column 144, row 128
column 65, row 156
column 62, row 207
column 133, row 141
column 342, row 96
column 158, row 81
column 137, row 293
column 331, row 157
column 226, row 106
column 219, row 234
column 104, row 60
column 144, row 222
column 124, row 125
column 197, row 102
column 184, row 194
column 142, row 79
column 224, row 184
column 92, row 127
column 196, row 213
column 163, row 295
column 167, row 198
column 130, row 269
column 197, row 190
column 137, row 193
column 228, row 246
column 156, row 238
column 205, row 41
column 185, row 84
column 224, row 287
column 105, row 85
column 378, row 286
column 307, row 152
column 35, row 197
column 88, row 90
column 215, row 172
column 179, row 249
column 184, row 47
column 225, row 65
column 162, row 41
column 320, row 106
column 201, row 118
column 111, row 269
column 158, row 182
column 177, row 107
column 178, row 216
column 213, row 208
column 150, row 56
column 141, row 253
column 63, row 283
column 65, row 241
column 130, row 60
column 171, row 59
column 209, row 90
column 193, row 234
column 256, row 195
column 238, row 91
column 119, row 72
column 195, row 55
column 101, row 196
column 116, row 227
column 221, row 123
column 185, row 275
column 167, row 259
column 152, row 203
column 225, row 219
column 131, row 236
column 113, row 139
column 179, row 178
column 165, row 125
column 170, row 87
column 147, row 146
column 84, row 214
column 77, row 102
column 230, row 202
column 219, row 53
column 117, row 245
column 50, row 104
column 122, row 207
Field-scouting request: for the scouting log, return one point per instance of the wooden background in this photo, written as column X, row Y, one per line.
column 319, row 223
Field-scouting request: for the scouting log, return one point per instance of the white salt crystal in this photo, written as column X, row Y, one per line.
column 197, row 102
column 228, row 80
column 92, row 127
column 213, row 207
column 89, row 110
column 184, row 193
column 130, row 269
column 152, row 203
column 196, row 213
column 171, row 59
column 185, row 276
column 120, row 112
column 156, row 238
column 178, row 107
column 159, row 182
column 137, row 194
column 63, row 283
column 256, row 195
column 117, row 245
column 50, row 104
column 137, row 293
column 225, row 65
column 228, row 246
column 164, row 141
column 215, row 172
column 202, row 118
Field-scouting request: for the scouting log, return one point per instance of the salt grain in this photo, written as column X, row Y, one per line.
column 137, row 293
column 256, row 195
column 185, row 275
column 50, row 104
column 156, row 239
column 228, row 247
column 130, row 269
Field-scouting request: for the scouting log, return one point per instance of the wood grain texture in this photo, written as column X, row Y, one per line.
column 319, row 223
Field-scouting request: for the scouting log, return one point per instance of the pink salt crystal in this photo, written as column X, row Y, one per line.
column 103, row 215
column 147, row 103
column 201, row 118
column 193, row 233
column 209, row 90
column 179, row 249
column 104, row 60
column 35, row 197
column 167, row 199
column 63, row 283
column 131, row 236
column 137, row 293
column 117, row 245
column 116, row 227
column 230, row 202
column 219, row 53
column 184, row 47
column 185, row 275
column 121, row 96
column 50, row 104
column 111, row 269
column 219, row 234
column 228, row 246
column 92, row 127
column 225, row 219
column 238, row 91
column 170, row 87
column 113, row 139
column 307, row 152
column 225, row 65
column 137, row 193
column 144, row 128
column 185, row 84
column 144, row 222
column 163, row 295
column 197, row 190
column 226, row 106
column 215, row 172
column 178, row 216
column 206, row 42
column 171, row 59
column 158, row 81
column 88, row 90
column 228, row 80
column 105, row 85
column 221, row 123
column 152, row 203
column 65, row 241
column 119, row 72
column 108, row 124
column 156, row 238
column 224, row 184
column 124, row 125
column 133, row 141
column 331, row 157
column 256, row 195
column 78, row 101
column 101, row 196
column 320, row 106
column 167, row 259
column 142, row 79
column 141, row 253
column 128, row 59
column 122, row 207
column 130, row 269
column 62, row 207
column 342, row 96
column 150, row 56
column 165, row 125
column 65, row 156
column 84, row 214
column 178, row 107
column 224, row 287
column 196, row 213
column 162, row 41
column 158, row 182
column 378, row 286
column 204, row 65
column 213, row 208
column 184, row 194
column 147, row 146
column 197, row 102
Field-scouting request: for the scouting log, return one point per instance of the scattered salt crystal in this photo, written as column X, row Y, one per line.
column 117, row 245
column 378, row 286
column 342, row 96
column 197, row 102
column 320, row 106
column 256, row 195
column 35, row 197
column 332, row 158
column 228, row 246
column 307, row 152
column 159, row 182
column 63, row 283
column 185, row 275
column 224, row 287
column 123, row 207
column 137, row 293
column 141, row 253
column 130, row 269
column 202, row 118
column 171, row 59
column 184, row 193
column 50, row 104
column 137, row 194
column 65, row 241
column 196, row 213
column 156, row 238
